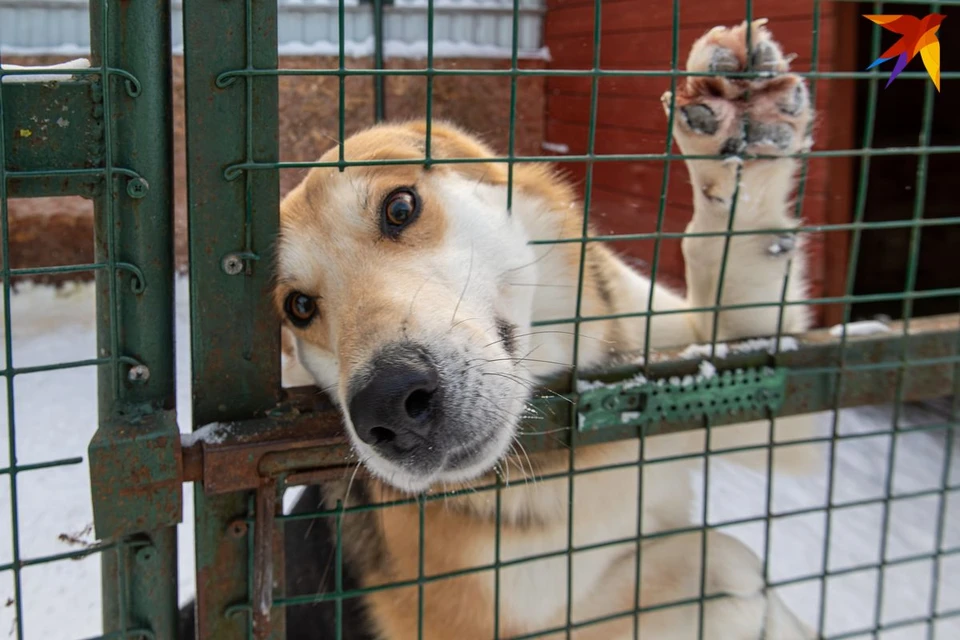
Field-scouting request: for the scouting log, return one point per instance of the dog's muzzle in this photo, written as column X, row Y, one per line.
column 397, row 408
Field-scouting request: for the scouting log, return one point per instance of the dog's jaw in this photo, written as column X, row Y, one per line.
column 445, row 478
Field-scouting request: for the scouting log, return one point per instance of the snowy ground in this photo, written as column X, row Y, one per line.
column 56, row 416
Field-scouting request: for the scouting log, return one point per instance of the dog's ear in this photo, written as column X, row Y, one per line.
column 537, row 178
column 447, row 141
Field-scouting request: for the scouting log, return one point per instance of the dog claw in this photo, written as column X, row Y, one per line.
column 783, row 244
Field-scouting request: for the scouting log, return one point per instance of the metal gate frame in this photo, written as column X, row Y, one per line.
column 122, row 158
column 277, row 442
column 106, row 134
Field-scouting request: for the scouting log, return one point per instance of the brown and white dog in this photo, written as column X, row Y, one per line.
column 409, row 295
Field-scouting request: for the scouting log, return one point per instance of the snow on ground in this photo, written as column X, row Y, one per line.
column 56, row 416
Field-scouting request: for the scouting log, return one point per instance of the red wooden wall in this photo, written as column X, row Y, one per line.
column 638, row 35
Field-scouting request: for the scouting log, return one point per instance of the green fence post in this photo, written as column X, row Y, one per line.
column 135, row 454
column 234, row 216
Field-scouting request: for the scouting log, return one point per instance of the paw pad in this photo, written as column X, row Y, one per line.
column 700, row 118
column 723, row 60
column 769, row 134
column 733, row 147
column 762, row 115
column 766, row 57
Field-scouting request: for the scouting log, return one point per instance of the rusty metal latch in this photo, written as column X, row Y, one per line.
column 263, row 529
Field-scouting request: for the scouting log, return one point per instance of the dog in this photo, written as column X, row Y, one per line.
column 410, row 294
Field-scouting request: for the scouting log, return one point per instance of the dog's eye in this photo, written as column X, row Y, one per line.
column 400, row 208
column 300, row 308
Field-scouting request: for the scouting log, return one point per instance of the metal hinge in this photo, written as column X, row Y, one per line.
column 136, row 473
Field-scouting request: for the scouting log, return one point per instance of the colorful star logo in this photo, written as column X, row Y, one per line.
column 919, row 36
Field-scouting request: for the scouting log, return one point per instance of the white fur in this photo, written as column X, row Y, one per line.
column 486, row 259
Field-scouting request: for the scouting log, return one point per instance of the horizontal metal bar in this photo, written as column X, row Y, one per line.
column 67, row 268
column 304, row 440
column 698, row 600
column 890, row 626
column 338, row 472
column 647, row 536
column 90, row 172
column 57, row 366
column 818, row 228
column 439, row 577
column 234, row 171
column 21, row 468
column 876, row 297
column 301, row 600
column 866, row 567
column 97, row 547
column 576, row 73
column 832, row 506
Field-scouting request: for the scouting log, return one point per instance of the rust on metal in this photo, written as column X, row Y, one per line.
column 319, row 476
column 192, row 461
column 136, row 475
column 238, row 528
column 263, row 557
column 234, row 464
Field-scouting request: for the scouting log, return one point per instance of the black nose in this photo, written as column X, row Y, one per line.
column 395, row 408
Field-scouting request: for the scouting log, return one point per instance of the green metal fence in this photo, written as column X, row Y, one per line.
column 113, row 145
column 119, row 154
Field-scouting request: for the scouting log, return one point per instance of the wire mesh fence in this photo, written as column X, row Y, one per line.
column 867, row 547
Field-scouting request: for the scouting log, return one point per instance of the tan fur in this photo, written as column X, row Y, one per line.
column 372, row 291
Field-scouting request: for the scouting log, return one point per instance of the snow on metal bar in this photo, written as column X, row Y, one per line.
column 72, row 65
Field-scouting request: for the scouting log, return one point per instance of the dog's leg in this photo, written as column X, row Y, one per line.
column 737, row 603
column 724, row 116
column 768, row 116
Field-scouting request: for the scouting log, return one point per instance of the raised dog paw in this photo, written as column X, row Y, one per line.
column 765, row 113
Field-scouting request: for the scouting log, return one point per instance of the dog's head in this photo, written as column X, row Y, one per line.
column 398, row 283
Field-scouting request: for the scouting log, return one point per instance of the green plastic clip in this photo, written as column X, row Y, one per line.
column 639, row 401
